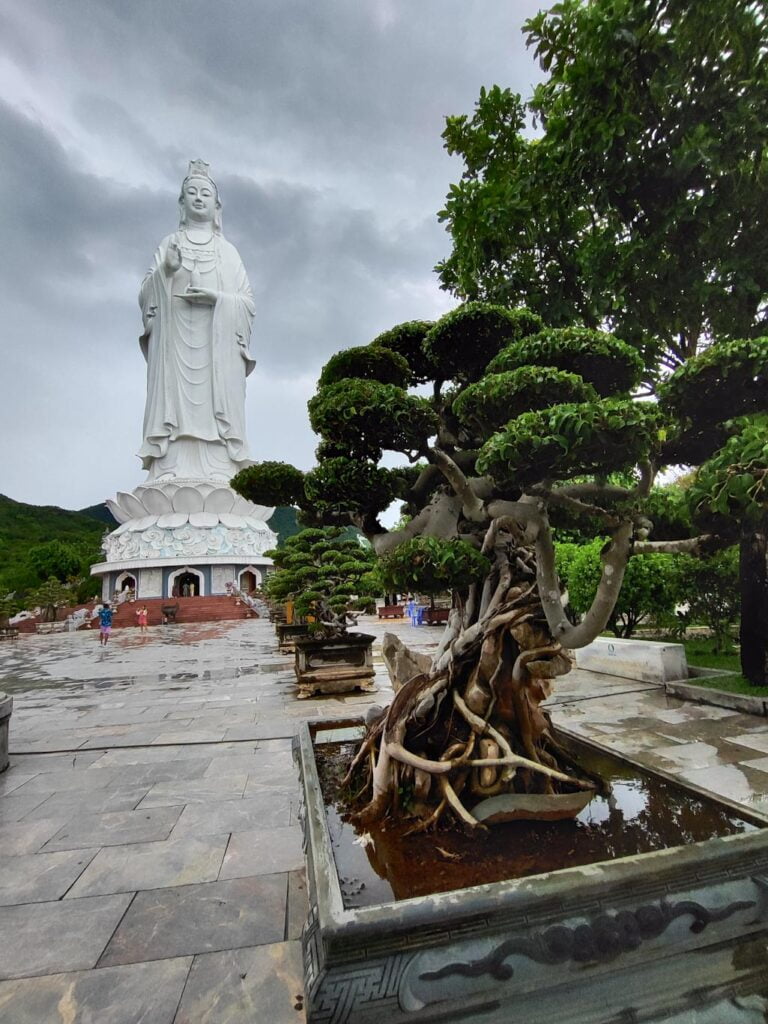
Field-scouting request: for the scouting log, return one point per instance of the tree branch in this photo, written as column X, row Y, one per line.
column 691, row 546
column 472, row 506
column 576, row 506
column 438, row 519
column 614, row 560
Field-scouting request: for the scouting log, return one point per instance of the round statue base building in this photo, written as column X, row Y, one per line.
column 185, row 538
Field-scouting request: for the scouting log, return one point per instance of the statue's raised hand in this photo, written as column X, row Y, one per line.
column 173, row 257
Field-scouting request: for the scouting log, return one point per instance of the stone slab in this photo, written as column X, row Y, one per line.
column 11, row 780
column 200, row 919
column 136, row 994
column 19, row 837
column 242, row 986
column 298, row 904
column 38, row 877
column 263, row 852
column 151, row 866
column 264, row 811
column 49, row 938
column 642, row 660
column 64, row 806
column 194, row 791
column 154, row 823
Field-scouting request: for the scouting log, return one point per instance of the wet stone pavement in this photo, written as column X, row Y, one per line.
column 150, row 853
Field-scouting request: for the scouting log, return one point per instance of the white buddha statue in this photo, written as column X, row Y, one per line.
column 197, row 310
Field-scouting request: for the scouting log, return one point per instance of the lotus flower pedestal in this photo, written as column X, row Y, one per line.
column 200, row 531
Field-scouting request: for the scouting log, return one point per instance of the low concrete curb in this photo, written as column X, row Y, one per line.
column 6, row 708
column 688, row 690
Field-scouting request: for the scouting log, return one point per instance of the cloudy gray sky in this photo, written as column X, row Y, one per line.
column 321, row 120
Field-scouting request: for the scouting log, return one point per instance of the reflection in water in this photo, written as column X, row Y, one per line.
column 643, row 813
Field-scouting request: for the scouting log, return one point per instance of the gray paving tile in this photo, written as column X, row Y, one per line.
column 221, row 787
column 226, row 764
column 226, row 987
column 298, row 904
column 149, row 755
column 752, row 740
column 63, row 741
column 49, row 938
column 250, row 731
column 11, row 779
column 148, row 774
column 284, row 784
column 53, row 762
column 137, row 866
column 38, row 877
column 200, row 919
column 136, row 994
column 68, row 805
column 263, row 852
column 21, row 837
column 233, row 816
column 190, row 736
column 16, row 806
column 87, row 830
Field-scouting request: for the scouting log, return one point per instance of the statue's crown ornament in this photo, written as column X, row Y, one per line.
column 199, row 169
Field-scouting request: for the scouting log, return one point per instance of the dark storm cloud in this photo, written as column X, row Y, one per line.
column 322, row 125
column 63, row 226
column 322, row 273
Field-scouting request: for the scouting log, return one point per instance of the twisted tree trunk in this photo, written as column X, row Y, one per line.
column 471, row 728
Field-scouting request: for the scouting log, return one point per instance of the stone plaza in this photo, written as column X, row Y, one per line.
column 150, row 844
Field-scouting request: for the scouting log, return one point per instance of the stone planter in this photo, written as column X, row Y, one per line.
column 288, row 633
column 644, row 938
column 6, row 708
column 391, row 611
column 334, row 666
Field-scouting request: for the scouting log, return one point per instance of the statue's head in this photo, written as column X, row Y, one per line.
column 199, row 201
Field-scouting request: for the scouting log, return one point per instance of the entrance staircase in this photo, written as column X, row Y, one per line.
column 191, row 609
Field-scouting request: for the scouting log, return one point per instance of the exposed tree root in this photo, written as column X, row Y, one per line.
column 472, row 726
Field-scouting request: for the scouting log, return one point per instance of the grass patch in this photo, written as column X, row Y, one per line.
column 699, row 653
column 735, row 683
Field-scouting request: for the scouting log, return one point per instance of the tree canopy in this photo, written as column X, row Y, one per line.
column 610, row 248
column 639, row 202
column 321, row 570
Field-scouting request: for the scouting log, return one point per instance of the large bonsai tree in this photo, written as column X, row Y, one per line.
column 520, row 430
column 322, row 570
column 640, row 205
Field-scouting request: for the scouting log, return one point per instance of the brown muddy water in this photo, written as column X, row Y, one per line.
column 643, row 813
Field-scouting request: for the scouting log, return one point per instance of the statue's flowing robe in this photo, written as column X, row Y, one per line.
column 197, row 360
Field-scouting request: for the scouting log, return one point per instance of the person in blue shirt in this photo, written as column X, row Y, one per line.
column 105, row 624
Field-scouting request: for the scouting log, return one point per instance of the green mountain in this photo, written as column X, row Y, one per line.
column 284, row 523
column 24, row 526
column 100, row 512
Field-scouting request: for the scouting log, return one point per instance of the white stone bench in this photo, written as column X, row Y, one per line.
column 643, row 660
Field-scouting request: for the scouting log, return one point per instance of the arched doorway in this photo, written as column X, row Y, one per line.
column 125, row 581
column 186, row 582
column 248, row 581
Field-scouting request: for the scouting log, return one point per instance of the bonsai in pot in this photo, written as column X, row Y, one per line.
column 523, row 429
column 322, row 571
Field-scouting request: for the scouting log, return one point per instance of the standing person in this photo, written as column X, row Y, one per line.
column 141, row 618
column 105, row 624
